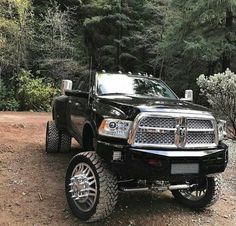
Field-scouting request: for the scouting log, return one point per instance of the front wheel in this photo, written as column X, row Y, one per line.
column 205, row 194
column 91, row 188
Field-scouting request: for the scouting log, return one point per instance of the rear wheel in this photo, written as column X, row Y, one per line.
column 65, row 141
column 52, row 137
column 91, row 188
column 56, row 140
column 205, row 194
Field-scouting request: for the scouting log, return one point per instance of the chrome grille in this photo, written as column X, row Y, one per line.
column 161, row 131
column 200, row 138
column 199, row 124
column 158, row 122
column 154, row 138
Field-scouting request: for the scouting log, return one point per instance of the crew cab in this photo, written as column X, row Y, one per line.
column 135, row 134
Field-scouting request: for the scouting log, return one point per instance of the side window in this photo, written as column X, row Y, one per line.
column 83, row 84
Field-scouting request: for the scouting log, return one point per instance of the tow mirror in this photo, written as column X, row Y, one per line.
column 66, row 85
column 188, row 95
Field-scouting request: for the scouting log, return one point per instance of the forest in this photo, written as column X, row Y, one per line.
column 43, row 42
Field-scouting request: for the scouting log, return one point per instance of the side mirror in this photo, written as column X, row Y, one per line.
column 66, row 85
column 188, row 95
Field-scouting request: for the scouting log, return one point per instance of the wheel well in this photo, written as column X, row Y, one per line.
column 88, row 136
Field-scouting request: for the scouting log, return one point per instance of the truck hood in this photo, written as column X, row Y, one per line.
column 136, row 104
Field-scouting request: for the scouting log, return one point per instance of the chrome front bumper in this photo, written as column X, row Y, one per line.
column 179, row 153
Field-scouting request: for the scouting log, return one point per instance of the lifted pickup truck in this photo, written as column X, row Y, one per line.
column 135, row 135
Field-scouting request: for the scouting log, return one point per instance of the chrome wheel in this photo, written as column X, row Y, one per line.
column 91, row 188
column 196, row 193
column 83, row 187
column 204, row 194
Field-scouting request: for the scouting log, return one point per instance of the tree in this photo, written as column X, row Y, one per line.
column 119, row 34
column 201, row 39
column 15, row 35
column 54, row 47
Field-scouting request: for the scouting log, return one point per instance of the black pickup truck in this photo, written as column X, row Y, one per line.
column 135, row 134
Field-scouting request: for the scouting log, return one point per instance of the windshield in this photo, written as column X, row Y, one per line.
column 108, row 84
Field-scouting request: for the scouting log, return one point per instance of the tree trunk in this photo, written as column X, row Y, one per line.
column 226, row 60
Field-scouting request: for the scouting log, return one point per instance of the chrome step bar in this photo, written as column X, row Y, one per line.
column 165, row 188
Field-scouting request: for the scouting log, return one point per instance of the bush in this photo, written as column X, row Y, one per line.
column 8, row 102
column 220, row 90
column 34, row 93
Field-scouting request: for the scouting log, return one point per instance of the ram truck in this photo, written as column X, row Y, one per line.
column 135, row 134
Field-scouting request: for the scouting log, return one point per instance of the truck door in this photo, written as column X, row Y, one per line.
column 78, row 103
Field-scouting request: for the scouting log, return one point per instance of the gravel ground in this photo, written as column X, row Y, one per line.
column 32, row 185
column 230, row 180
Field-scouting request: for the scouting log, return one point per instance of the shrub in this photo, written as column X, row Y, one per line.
column 35, row 93
column 7, row 100
column 220, row 90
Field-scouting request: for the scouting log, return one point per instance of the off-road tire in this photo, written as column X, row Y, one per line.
column 56, row 140
column 211, row 196
column 107, row 188
column 52, row 137
column 65, row 141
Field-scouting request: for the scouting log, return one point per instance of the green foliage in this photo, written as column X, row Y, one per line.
column 220, row 90
column 120, row 34
column 175, row 40
column 54, row 44
column 7, row 100
column 15, row 34
column 200, row 38
column 34, row 93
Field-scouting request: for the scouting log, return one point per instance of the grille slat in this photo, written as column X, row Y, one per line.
column 148, row 132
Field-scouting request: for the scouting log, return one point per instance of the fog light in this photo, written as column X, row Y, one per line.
column 116, row 155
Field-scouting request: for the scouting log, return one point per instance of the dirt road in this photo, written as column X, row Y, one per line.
column 32, row 185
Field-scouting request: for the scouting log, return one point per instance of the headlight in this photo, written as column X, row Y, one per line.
column 221, row 129
column 115, row 128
